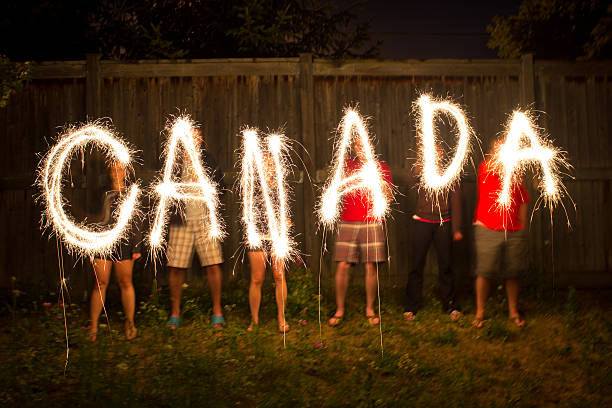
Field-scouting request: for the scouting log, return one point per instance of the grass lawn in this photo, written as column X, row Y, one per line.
column 562, row 358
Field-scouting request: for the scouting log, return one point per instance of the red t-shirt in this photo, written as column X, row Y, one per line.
column 357, row 203
column 488, row 211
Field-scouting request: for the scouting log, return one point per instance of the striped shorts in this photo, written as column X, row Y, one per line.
column 360, row 241
column 190, row 236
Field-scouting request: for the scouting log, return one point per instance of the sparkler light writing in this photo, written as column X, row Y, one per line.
column 369, row 177
column 512, row 160
column 80, row 238
column 201, row 189
column 256, row 172
column 431, row 179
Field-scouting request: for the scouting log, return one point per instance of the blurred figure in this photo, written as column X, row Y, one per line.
column 436, row 220
column 188, row 233
column 122, row 258
column 499, row 236
column 360, row 239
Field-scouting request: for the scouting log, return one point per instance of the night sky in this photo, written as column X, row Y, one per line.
column 434, row 28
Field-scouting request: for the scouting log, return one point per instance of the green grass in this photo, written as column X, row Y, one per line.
column 562, row 357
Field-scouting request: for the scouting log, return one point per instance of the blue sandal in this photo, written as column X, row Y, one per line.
column 217, row 319
column 173, row 323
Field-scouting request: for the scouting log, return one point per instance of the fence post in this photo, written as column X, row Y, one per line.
column 93, row 110
column 306, row 88
column 527, row 82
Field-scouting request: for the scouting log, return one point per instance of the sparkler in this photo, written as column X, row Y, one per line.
column 431, row 179
column 369, row 177
column 202, row 189
column 80, row 238
column 512, row 160
column 256, row 173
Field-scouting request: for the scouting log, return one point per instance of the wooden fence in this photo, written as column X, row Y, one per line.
column 306, row 97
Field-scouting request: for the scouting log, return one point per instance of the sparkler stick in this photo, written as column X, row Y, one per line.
column 79, row 238
column 431, row 179
column 256, row 174
column 202, row 189
column 512, row 160
column 369, row 177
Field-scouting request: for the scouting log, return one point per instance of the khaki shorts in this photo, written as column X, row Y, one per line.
column 360, row 238
column 499, row 254
column 186, row 238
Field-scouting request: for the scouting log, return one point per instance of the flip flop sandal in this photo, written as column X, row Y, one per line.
column 517, row 321
column 131, row 333
column 478, row 323
column 92, row 336
column 173, row 323
column 286, row 328
column 372, row 317
column 455, row 315
column 217, row 321
column 338, row 320
column 409, row 316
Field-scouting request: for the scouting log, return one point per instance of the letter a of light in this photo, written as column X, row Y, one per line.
column 431, row 179
column 513, row 160
column 203, row 189
column 369, row 177
column 255, row 172
column 79, row 238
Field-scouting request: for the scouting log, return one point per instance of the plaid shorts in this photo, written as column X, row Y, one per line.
column 359, row 237
column 186, row 238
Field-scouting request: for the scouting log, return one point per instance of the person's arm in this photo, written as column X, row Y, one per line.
column 456, row 212
column 104, row 216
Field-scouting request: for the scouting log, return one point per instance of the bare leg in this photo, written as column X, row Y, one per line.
column 371, row 284
column 483, row 287
column 176, row 279
column 281, row 294
column 102, row 270
column 214, row 275
column 258, row 271
column 342, row 280
column 512, row 291
column 128, row 298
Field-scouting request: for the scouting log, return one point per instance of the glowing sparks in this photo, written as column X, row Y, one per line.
column 369, row 177
column 431, row 179
column 201, row 189
column 514, row 157
column 265, row 171
column 80, row 238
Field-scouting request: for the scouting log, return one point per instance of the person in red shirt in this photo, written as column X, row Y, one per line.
column 361, row 238
column 499, row 233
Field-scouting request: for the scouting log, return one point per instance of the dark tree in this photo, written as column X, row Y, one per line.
column 121, row 29
column 574, row 29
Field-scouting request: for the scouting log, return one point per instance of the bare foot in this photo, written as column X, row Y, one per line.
column 284, row 327
column 517, row 321
column 252, row 327
column 130, row 331
column 373, row 319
